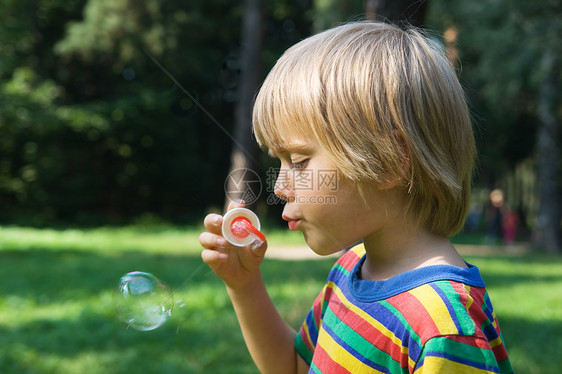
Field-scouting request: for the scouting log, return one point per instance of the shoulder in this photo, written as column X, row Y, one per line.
column 455, row 354
column 441, row 308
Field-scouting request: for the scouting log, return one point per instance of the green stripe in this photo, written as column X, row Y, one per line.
column 505, row 367
column 415, row 337
column 302, row 349
column 453, row 349
column 466, row 323
column 360, row 344
column 341, row 269
column 485, row 325
column 315, row 369
column 324, row 305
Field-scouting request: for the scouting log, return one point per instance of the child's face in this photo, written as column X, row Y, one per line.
column 323, row 204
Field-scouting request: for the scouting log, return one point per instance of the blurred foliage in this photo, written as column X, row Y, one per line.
column 501, row 45
column 93, row 130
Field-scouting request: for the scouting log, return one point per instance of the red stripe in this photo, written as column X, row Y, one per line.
column 500, row 352
column 470, row 340
column 349, row 260
column 367, row 330
column 306, row 339
column 317, row 307
column 324, row 362
column 475, row 310
column 461, row 291
column 319, row 303
column 416, row 315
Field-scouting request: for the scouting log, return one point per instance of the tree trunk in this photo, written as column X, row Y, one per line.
column 547, row 231
column 400, row 12
column 241, row 182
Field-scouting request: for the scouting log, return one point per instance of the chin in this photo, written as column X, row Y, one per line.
column 323, row 247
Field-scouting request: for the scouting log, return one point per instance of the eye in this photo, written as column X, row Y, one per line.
column 299, row 165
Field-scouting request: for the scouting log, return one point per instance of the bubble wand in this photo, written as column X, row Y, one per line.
column 241, row 227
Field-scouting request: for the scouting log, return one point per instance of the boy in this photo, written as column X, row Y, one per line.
column 383, row 108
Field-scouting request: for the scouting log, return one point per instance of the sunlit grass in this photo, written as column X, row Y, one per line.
column 57, row 313
column 104, row 240
column 526, row 292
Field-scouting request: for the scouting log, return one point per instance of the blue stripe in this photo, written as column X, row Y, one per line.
column 312, row 327
column 487, row 307
column 314, row 369
column 352, row 351
column 387, row 315
column 449, row 306
column 460, row 360
column 490, row 332
column 401, row 328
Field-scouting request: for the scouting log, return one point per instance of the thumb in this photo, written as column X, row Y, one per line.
column 258, row 247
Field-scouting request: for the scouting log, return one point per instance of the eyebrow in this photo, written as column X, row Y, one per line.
column 292, row 148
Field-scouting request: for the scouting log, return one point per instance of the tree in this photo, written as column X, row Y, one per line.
column 240, row 183
column 548, row 156
column 510, row 57
column 115, row 108
column 330, row 13
column 93, row 130
column 402, row 12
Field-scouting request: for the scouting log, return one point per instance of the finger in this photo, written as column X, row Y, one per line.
column 258, row 248
column 212, row 241
column 213, row 223
column 213, row 258
column 236, row 204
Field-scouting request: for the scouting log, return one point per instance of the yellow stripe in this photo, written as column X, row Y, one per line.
column 343, row 357
column 494, row 343
column 470, row 299
column 307, row 334
column 436, row 308
column 359, row 250
column 432, row 364
column 376, row 324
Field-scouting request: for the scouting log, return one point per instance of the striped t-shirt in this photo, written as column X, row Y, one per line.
column 436, row 319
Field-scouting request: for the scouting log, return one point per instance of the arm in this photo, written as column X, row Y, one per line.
column 269, row 339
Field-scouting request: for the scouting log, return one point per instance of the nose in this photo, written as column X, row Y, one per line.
column 284, row 186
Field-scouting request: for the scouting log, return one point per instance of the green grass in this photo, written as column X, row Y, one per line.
column 526, row 292
column 57, row 314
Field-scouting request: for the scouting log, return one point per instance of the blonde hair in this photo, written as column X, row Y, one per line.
column 386, row 105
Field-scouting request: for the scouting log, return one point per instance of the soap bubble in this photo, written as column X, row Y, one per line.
column 142, row 301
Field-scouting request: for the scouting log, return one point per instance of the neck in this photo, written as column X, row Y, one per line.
column 401, row 248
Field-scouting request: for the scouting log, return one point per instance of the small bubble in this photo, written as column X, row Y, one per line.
column 142, row 301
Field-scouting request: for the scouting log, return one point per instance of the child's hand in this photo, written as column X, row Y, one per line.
column 236, row 266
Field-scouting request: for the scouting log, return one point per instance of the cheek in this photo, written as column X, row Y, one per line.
column 337, row 225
